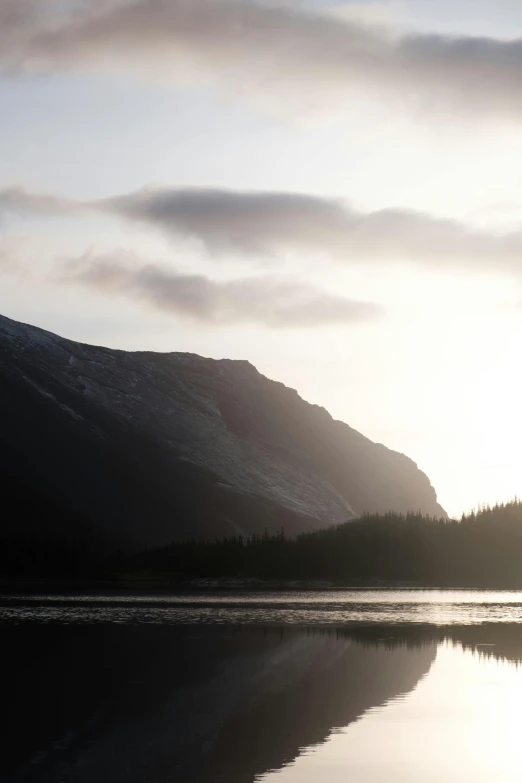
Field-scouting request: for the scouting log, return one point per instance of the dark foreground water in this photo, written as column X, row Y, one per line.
column 362, row 686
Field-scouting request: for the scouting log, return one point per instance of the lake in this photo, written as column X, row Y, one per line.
column 366, row 686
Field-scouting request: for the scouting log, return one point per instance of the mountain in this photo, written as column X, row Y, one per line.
column 150, row 447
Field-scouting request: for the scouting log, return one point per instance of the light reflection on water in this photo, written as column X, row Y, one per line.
column 274, row 688
column 461, row 722
column 439, row 607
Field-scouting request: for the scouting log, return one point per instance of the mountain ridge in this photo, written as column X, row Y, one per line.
column 155, row 447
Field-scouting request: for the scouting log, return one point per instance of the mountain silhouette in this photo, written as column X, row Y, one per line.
column 146, row 448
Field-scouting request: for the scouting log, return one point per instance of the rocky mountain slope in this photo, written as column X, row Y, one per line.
column 151, row 447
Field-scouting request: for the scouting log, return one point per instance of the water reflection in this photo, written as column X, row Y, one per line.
column 461, row 723
column 236, row 704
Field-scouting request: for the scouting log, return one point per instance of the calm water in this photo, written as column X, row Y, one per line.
column 440, row 607
column 360, row 686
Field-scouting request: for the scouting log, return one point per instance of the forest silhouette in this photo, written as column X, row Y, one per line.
column 482, row 549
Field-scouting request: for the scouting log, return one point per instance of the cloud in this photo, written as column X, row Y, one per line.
column 257, row 225
column 269, row 301
column 268, row 48
column 17, row 200
column 270, row 224
column 224, row 221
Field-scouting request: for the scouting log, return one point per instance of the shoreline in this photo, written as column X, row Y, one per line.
column 209, row 587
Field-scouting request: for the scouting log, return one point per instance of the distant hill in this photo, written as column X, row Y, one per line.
column 146, row 448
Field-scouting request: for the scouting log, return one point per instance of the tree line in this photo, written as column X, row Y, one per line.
column 483, row 548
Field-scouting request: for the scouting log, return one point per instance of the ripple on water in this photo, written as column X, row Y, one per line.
column 439, row 607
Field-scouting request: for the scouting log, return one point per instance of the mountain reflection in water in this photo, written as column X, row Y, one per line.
column 200, row 704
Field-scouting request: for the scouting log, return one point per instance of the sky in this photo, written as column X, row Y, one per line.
column 330, row 189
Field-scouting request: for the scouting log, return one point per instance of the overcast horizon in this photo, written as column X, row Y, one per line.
column 329, row 189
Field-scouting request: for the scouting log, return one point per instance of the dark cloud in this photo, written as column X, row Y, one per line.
column 269, row 301
column 18, row 21
column 238, row 222
column 268, row 46
column 273, row 223
column 259, row 225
